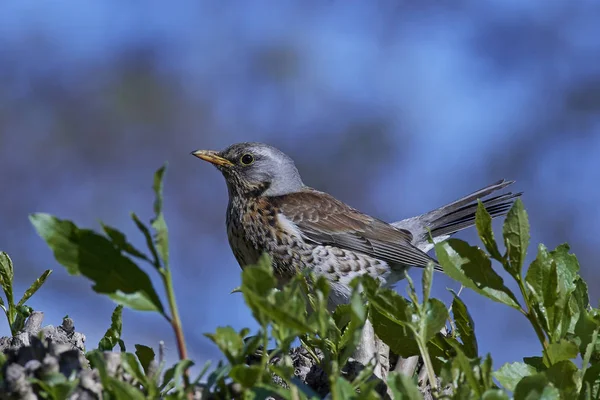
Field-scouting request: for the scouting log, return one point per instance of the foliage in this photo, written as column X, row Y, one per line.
column 16, row 314
column 552, row 297
column 110, row 261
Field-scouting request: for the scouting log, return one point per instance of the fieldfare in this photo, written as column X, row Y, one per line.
column 271, row 210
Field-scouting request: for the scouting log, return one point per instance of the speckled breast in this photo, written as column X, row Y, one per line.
column 253, row 228
column 246, row 251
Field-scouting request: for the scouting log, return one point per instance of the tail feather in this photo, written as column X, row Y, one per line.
column 501, row 184
column 458, row 215
column 464, row 217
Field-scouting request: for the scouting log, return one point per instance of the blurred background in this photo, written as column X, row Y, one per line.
column 395, row 107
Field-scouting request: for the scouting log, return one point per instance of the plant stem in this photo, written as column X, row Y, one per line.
column 264, row 359
column 427, row 362
column 530, row 314
column 176, row 321
column 588, row 352
column 540, row 334
column 310, row 351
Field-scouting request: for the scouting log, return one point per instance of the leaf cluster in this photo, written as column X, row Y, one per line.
column 16, row 314
column 552, row 297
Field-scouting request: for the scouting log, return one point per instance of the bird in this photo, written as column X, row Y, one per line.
column 272, row 211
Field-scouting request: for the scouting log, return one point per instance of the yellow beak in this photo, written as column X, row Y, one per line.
column 212, row 157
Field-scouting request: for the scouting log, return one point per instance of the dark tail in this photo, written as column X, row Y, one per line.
column 458, row 215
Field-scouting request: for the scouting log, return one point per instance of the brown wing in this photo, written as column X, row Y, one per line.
column 326, row 220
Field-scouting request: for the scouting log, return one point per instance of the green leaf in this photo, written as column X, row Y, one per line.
column 509, row 375
column 357, row 306
column 462, row 363
column 286, row 307
column 149, row 242
column 436, row 315
column 138, row 300
column 113, row 334
column 120, row 241
column 536, row 387
column 486, row 372
column 229, row 342
column 494, row 394
column 396, row 335
column 146, row 355
column 591, row 383
column 342, row 389
column 304, row 388
column 96, row 360
column 559, row 296
column 34, row 287
column 391, row 316
column 172, row 377
column 158, row 222
column 483, row 223
column 536, row 362
column 287, row 310
column 6, row 277
column 564, row 375
column 516, row 237
column 218, row 375
column 245, row 375
column 130, row 364
column 427, row 280
column 552, row 279
column 342, row 315
column 352, row 334
column 580, row 295
column 269, row 391
column 56, row 386
column 201, row 373
column 252, row 343
column 472, row 268
column 124, row 391
column 85, row 252
column 579, row 303
column 567, row 266
column 412, row 291
column 551, row 292
column 591, row 351
column 563, row 350
column 349, row 320
column 465, row 326
column 364, row 377
column 259, row 278
column 283, row 369
column 320, row 317
column 21, row 314
column 403, row 387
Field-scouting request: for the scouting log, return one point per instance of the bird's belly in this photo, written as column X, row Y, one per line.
column 340, row 266
column 291, row 254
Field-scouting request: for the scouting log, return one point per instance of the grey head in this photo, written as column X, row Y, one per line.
column 255, row 169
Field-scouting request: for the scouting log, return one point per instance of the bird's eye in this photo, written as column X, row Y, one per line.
column 247, row 159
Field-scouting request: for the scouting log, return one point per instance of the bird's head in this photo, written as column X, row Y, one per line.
column 254, row 169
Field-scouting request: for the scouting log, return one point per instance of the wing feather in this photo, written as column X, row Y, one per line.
column 325, row 220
